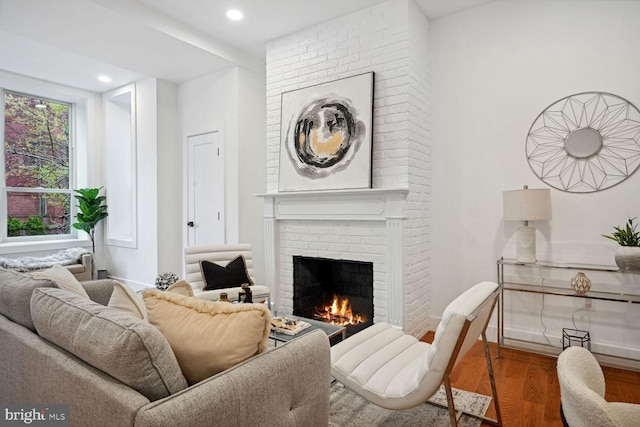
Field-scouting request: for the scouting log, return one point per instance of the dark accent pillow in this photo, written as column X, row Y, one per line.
column 234, row 274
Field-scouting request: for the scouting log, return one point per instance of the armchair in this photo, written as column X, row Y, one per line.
column 582, row 393
column 396, row 371
column 221, row 255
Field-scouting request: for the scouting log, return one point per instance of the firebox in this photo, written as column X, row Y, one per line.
column 334, row 291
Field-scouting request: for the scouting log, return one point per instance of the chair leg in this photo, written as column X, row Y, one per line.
column 452, row 410
column 494, row 391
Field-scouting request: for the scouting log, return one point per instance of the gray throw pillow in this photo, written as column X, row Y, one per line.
column 125, row 347
column 15, row 294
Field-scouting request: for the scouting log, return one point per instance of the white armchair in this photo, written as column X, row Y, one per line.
column 396, row 371
column 582, row 394
column 221, row 255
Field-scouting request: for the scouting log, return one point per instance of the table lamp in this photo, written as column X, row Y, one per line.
column 526, row 205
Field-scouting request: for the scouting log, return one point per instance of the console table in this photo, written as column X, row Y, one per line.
column 560, row 288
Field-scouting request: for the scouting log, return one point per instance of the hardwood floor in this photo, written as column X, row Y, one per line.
column 527, row 384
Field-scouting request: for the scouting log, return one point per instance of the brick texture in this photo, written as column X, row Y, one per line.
column 390, row 39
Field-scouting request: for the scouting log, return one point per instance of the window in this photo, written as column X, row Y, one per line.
column 37, row 167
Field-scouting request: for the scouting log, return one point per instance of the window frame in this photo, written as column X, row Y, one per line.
column 35, row 190
column 82, row 127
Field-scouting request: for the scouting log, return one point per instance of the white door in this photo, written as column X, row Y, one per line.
column 205, row 211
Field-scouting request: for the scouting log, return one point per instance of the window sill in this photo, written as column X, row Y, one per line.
column 20, row 248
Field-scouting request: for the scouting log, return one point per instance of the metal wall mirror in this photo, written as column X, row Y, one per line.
column 585, row 142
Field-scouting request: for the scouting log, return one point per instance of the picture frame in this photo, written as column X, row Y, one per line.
column 326, row 135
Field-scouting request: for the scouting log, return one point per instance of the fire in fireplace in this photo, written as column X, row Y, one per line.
column 339, row 312
column 334, row 291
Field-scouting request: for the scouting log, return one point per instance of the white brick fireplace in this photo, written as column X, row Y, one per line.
column 389, row 224
column 357, row 225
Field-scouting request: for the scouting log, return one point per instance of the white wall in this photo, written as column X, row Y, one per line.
column 494, row 69
column 170, row 222
column 139, row 266
column 252, row 167
column 233, row 99
column 207, row 104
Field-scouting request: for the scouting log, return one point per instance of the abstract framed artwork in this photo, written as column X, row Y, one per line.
column 326, row 136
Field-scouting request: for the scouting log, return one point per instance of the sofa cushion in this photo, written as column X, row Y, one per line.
column 232, row 275
column 15, row 293
column 127, row 348
column 208, row 337
column 126, row 299
column 63, row 278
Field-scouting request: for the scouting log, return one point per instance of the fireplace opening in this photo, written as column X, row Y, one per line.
column 334, row 291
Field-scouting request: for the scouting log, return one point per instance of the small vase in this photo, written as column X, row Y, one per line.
column 628, row 258
column 580, row 283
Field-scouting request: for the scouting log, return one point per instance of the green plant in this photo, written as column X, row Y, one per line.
column 35, row 226
column 91, row 211
column 15, row 227
column 627, row 236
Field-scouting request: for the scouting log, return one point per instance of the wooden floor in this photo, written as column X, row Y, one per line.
column 527, row 384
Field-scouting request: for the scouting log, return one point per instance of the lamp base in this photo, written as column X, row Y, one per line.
column 526, row 244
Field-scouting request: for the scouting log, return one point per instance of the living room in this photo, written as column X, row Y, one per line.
column 454, row 99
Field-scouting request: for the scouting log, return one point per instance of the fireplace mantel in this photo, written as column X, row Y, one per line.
column 375, row 204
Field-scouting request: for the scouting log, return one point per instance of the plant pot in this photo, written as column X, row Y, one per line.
column 628, row 258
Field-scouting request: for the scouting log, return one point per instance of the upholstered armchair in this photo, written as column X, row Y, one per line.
column 582, row 389
column 396, row 371
column 220, row 255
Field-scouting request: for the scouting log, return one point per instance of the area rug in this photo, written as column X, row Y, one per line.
column 350, row 410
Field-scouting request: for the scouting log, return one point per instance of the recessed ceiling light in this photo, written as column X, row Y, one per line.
column 234, row 15
column 104, row 79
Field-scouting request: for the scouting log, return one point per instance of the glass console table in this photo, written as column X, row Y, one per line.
column 526, row 278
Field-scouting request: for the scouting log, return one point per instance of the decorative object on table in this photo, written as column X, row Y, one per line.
column 575, row 337
column 244, row 295
column 580, row 283
column 91, row 210
column 585, row 142
column 526, row 205
column 288, row 325
column 326, row 133
column 628, row 238
column 164, row 280
column 224, row 297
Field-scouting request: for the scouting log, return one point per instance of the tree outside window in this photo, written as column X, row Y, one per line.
column 37, row 168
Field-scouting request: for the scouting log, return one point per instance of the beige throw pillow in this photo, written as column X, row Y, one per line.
column 126, row 299
column 63, row 278
column 181, row 287
column 208, row 337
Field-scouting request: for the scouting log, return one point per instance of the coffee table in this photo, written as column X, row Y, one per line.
column 327, row 328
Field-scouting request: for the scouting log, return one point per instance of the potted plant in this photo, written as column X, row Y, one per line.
column 628, row 253
column 91, row 210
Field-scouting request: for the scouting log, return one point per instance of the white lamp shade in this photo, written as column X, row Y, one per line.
column 527, row 205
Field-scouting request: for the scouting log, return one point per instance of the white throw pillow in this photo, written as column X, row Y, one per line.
column 126, row 299
column 181, row 287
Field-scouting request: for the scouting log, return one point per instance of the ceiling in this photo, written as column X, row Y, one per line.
column 73, row 41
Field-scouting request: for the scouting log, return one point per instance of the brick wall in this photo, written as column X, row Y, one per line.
column 390, row 39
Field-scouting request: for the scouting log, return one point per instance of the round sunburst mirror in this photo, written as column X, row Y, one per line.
column 585, row 142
